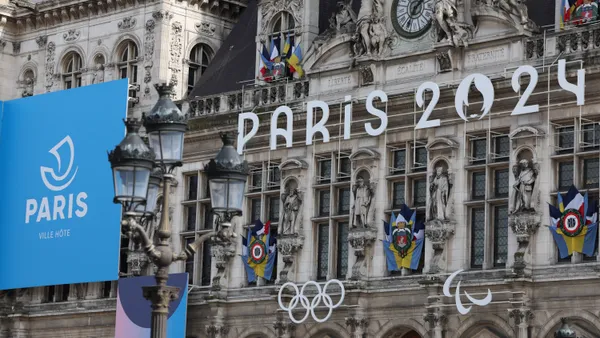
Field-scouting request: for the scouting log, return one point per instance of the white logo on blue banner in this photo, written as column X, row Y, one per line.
column 58, row 224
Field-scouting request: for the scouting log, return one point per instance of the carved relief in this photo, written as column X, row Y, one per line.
column 525, row 187
column 16, row 47
column 206, row 28
column 27, row 83
column 371, row 36
column 71, row 35
column 272, row 7
column 50, row 65
column 162, row 15
column 366, row 75
column 439, row 192
column 2, row 45
column 444, row 62
column 148, row 55
column 127, row 23
column 222, row 250
column 41, row 41
column 362, row 192
column 447, row 25
column 361, row 239
column 291, row 208
column 175, row 52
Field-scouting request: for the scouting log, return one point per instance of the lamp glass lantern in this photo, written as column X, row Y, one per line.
column 147, row 209
column 166, row 125
column 227, row 174
column 131, row 163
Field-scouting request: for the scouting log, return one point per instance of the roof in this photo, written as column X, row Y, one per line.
column 235, row 60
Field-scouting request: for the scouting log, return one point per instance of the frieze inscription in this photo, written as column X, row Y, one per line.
column 478, row 58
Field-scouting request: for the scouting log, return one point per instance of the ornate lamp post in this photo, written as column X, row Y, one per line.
column 565, row 331
column 137, row 185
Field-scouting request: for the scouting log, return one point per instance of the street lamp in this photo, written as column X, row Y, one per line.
column 565, row 331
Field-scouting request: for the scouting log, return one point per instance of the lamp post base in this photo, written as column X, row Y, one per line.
column 160, row 296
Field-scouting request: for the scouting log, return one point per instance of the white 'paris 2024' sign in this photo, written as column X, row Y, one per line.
column 481, row 82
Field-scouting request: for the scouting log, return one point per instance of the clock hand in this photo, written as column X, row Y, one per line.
column 416, row 7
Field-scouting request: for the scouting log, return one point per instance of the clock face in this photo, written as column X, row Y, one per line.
column 412, row 18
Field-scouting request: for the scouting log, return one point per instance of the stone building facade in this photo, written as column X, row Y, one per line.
column 481, row 145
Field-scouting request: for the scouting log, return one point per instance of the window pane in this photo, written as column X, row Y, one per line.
column 345, row 169
column 500, row 235
column 343, row 201
column 590, row 173
column 420, row 159
column 342, row 250
column 398, row 195
column 399, row 161
column 477, row 237
column 256, row 181
column 565, row 175
column 502, row 148
column 189, row 262
column 566, row 138
column 274, row 177
column 324, row 171
column 208, row 217
column 478, row 186
column 191, row 217
column 479, row 151
column 206, row 263
column 274, row 209
column 501, row 183
column 591, row 135
column 420, row 193
column 323, row 251
column 324, row 197
column 255, row 212
column 192, row 187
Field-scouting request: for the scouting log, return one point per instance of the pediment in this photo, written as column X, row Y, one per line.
column 441, row 143
column 332, row 52
column 525, row 131
column 292, row 163
column 364, row 154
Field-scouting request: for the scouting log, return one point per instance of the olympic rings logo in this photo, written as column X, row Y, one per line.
column 310, row 307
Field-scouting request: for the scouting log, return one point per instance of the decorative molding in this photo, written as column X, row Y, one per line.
column 444, row 60
column 41, row 41
column 71, row 35
column 437, row 233
column 16, row 47
column 2, row 45
column 288, row 246
column 50, row 55
column 148, row 55
column 175, row 53
column 127, row 23
column 361, row 239
column 206, row 28
column 162, row 15
column 271, row 7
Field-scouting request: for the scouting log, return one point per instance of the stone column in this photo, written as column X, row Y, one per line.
column 283, row 327
column 357, row 326
column 217, row 330
column 288, row 246
column 435, row 315
column 361, row 239
column 523, row 225
column 437, row 233
column 521, row 318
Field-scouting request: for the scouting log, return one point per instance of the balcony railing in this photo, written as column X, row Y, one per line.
column 573, row 39
column 275, row 94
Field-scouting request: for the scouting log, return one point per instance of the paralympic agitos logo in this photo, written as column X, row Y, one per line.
column 56, row 207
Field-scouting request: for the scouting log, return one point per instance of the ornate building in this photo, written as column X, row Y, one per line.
column 418, row 103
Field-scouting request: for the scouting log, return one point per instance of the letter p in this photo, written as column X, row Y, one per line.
column 30, row 209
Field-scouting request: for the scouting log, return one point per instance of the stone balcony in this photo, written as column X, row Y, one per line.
column 249, row 98
column 574, row 42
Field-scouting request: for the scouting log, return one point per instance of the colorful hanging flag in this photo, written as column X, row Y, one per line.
column 288, row 47
column 259, row 252
column 404, row 239
column 574, row 223
column 274, row 57
column 294, row 62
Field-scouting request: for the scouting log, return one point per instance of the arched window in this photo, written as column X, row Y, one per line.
column 200, row 57
column 283, row 25
column 127, row 62
column 72, row 70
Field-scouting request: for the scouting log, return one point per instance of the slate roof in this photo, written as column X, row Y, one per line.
column 235, row 60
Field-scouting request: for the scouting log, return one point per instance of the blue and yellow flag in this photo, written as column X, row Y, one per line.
column 294, row 61
column 404, row 238
column 259, row 252
column 574, row 223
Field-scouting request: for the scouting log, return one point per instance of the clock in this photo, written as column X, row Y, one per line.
column 412, row 18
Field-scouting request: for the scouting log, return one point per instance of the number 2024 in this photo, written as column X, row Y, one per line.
column 485, row 87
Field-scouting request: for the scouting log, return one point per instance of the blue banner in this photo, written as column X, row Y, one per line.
column 58, row 224
column 134, row 312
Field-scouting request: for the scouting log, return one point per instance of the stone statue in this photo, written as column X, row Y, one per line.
column 371, row 34
column 291, row 208
column 517, row 7
column 28, row 91
column 363, row 194
column 343, row 21
column 439, row 193
column 457, row 33
column 98, row 76
column 525, row 178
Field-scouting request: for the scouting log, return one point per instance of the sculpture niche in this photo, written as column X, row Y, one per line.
column 526, row 174
column 291, row 208
column 362, row 233
column 439, row 194
column 371, row 35
column 290, row 240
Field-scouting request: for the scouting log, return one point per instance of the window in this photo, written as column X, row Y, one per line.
column 56, row 293
column 566, row 139
column 420, row 159
column 274, row 209
column 342, row 250
column 283, row 25
column 565, row 175
column 264, row 193
column 72, row 65
column 399, row 163
column 478, row 151
column 128, row 61
column 256, row 180
column 419, row 193
column 324, row 171
column 200, row 57
column 500, row 235
column 343, row 201
column 501, row 183
column 322, row 251
column 591, row 136
column 106, row 289
column 590, row 173
column 345, row 167
column 398, row 195
column 198, row 220
column 255, row 211
column 501, row 148
column 477, row 237
column 478, row 185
